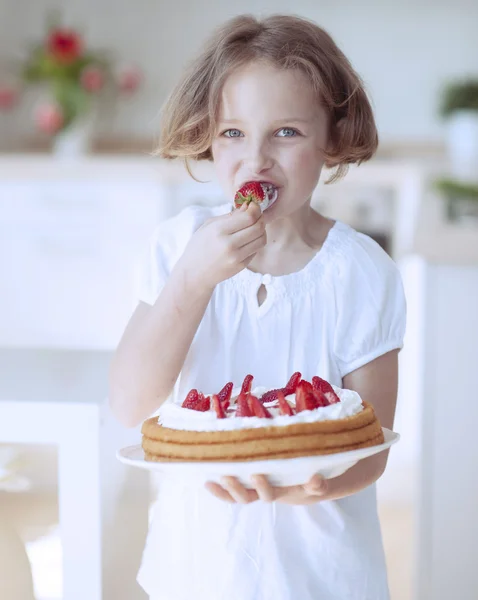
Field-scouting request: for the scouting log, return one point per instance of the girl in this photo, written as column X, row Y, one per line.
column 227, row 293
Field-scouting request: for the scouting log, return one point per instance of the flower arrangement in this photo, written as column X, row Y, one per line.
column 74, row 76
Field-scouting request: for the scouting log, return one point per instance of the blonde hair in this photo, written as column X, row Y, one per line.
column 190, row 114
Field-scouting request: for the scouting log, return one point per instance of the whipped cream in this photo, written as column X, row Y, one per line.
column 173, row 416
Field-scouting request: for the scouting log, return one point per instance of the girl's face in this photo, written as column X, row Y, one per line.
column 271, row 129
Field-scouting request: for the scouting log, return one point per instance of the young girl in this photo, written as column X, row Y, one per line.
column 231, row 292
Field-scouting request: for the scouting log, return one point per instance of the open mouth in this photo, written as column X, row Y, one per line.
column 270, row 195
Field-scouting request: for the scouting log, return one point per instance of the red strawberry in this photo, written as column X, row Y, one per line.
column 305, row 401
column 271, row 395
column 320, row 398
column 324, row 386
column 250, row 192
column 243, row 409
column 258, row 408
column 284, row 407
column 225, row 394
column 203, row 404
column 292, row 384
column 247, row 384
column 221, row 414
column 191, row 400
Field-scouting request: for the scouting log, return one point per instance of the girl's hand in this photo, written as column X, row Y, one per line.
column 223, row 246
column 233, row 491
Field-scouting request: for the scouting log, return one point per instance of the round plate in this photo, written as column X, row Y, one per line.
column 280, row 472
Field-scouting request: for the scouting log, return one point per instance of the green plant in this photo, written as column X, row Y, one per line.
column 454, row 189
column 459, row 95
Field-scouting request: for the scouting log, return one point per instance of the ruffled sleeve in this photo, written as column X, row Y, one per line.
column 370, row 303
column 167, row 244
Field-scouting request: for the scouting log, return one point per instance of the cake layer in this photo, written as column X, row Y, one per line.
column 296, row 453
column 295, row 440
column 152, row 430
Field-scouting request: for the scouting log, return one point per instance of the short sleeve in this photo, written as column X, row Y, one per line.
column 371, row 306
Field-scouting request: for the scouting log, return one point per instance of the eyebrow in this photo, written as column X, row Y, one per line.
column 284, row 120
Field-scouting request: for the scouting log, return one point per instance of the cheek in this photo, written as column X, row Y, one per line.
column 308, row 162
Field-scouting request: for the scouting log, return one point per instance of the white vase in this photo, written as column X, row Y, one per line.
column 462, row 144
column 75, row 140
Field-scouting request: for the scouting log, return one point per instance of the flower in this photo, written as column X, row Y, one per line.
column 92, row 79
column 64, row 45
column 129, row 79
column 8, row 97
column 49, row 118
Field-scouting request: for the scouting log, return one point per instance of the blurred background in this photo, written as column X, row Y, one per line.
column 81, row 85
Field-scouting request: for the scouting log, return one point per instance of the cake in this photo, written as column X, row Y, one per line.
column 302, row 419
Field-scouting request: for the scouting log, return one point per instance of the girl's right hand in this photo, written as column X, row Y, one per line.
column 224, row 245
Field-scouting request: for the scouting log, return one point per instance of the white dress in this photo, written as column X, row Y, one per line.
column 345, row 308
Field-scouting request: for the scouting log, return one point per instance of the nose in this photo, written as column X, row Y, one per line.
column 258, row 156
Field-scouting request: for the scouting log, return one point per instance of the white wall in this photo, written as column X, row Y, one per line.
column 404, row 50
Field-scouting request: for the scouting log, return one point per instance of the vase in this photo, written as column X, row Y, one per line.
column 75, row 140
column 462, row 144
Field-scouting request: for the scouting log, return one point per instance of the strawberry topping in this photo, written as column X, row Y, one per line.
column 247, row 384
column 243, row 409
column 225, row 394
column 220, row 412
column 284, row 407
column 258, row 408
column 292, row 384
column 203, row 404
column 191, row 400
column 324, row 386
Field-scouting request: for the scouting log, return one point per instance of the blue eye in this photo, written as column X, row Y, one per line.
column 232, row 133
column 289, row 132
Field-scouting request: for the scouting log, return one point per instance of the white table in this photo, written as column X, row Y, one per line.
column 93, row 486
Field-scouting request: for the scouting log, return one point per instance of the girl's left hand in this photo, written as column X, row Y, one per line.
column 232, row 491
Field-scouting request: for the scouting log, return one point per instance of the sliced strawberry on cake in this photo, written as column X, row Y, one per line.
column 324, row 386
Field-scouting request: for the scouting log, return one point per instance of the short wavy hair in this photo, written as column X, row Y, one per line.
column 189, row 116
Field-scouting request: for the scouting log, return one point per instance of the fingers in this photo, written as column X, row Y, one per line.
column 264, row 489
column 219, row 492
column 232, row 491
column 249, row 234
column 251, row 248
column 316, row 486
column 241, row 218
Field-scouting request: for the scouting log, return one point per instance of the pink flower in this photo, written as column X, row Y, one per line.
column 49, row 118
column 92, row 79
column 129, row 79
column 64, row 45
column 8, row 97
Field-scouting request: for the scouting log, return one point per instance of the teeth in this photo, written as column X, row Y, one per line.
column 271, row 193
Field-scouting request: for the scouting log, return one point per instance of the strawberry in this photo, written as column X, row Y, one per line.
column 247, row 384
column 225, row 394
column 203, row 404
column 292, row 384
column 191, row 400
column 284, row 407
column 258, row 408
column 324, row 386
column 250, row 192
column 220, row 412
column 320, row 398
column 243, row 409
column 305, row 401
column 271, row 395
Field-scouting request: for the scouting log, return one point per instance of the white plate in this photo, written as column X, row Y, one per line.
column 281, row 472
